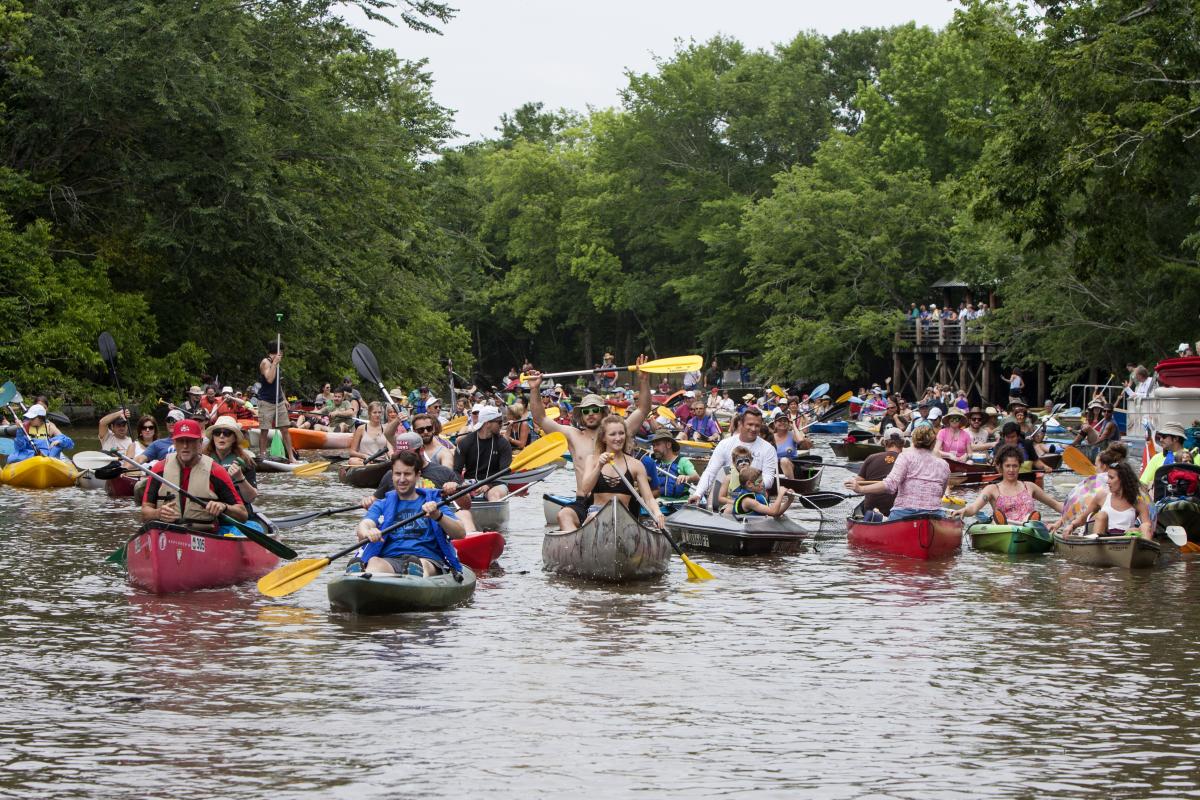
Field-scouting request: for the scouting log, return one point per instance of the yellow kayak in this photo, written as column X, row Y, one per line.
column 39, row 472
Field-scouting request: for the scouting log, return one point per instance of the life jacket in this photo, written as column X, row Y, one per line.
column 671, row 485
column 192, row 514
column 740, row 494
column 433, row 531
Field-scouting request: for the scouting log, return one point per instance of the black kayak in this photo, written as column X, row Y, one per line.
column 700, row 529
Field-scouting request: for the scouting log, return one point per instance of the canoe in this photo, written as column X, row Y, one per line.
column 840, row 426
column 479, row 550
column 164, row 559
column 364, row 476
column 701, row 529
column 969, row 467
column 807, row 480
column 373, row 593
column 612, row 546
column 271, row 465
column 489, row 515
column 1130, row 552
column 1010, row 539
column 304, row 439
column 88, row 480
column 918, row 537
column 40, row 472
column 120, row 486
column 1052, row 460
column 855, row 451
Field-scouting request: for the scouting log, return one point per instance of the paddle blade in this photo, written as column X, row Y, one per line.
column 819, row 392
column 117, row 557
column 291, row 577
column 92, row 459
column 7, row 392
column 695, row 571
column 1074, row 458
column 108, row 348
column 843, row 398
column 777, row 390
column 1177, row 535
column 365, row 364
column 666, row 413
column 665, row 366
column 455, row 425
column 553, row 412
column 540, row 453
column 311, row 468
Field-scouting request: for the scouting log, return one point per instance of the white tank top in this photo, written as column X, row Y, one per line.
column 1120, row 520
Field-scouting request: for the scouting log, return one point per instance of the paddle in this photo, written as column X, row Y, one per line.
column 819, row 392
column 311, row 468
column 368, row 369
column 660, row 366
column 108, row 351
column 93, row 460
column 833, row 411
column 293, row 577
column 7, row 392
column 1074, row 458
column 777, row 390
column 695, row 572
column 296, row 520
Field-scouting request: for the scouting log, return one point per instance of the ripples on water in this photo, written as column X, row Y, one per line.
column 831, row 673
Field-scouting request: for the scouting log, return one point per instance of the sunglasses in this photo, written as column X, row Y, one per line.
column 590, row 410
column 744, row 461
column 149, row 428
column 424, row 429
column 223, row 433
column 976, row 419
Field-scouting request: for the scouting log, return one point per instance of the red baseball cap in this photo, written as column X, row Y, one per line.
column 187, row 429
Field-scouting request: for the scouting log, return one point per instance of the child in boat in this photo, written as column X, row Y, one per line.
column 1012, row 499
column 741, row 457
column 750, row 498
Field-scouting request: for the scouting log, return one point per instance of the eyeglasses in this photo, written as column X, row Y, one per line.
column 976, row 419
column 223, row 433
column 424, row 429
column 590, row 410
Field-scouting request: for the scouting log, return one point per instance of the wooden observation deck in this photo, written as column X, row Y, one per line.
column 924, row 353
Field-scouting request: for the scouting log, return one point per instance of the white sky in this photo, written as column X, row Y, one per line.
column 498, row 54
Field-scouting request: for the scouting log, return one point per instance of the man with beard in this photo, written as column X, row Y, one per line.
column 484, row 452
column 581, row 441
column 435, row 450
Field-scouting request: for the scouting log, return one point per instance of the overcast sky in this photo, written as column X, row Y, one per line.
column 497, row 54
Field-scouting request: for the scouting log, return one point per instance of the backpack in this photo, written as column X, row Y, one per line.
column 1183, row 482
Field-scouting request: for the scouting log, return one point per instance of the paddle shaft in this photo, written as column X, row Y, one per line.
column 278, row 548
column 112, row 368
column 283, row 523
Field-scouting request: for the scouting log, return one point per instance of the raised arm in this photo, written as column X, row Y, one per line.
column 538, row 411
column 633, row 423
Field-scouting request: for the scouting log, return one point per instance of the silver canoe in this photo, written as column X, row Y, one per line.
column 612, row 546
column 1130, row 552
column 489, row 515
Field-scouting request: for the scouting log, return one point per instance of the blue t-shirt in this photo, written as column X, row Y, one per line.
column 417, row 538
column 159, row 449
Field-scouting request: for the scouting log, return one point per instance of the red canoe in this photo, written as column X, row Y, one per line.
column 479, row 550
column 120, row 486
column 918, row 537
column 165, row 560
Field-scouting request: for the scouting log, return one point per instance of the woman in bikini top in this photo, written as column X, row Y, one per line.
column 609, row 464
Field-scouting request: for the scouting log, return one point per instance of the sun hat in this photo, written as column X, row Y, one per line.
column 663, row 436
column 592, row 400
column 175, row 415
column 432, row 401
column 398, row 394
column 1098, row 403
column 488, row 414
column 408, row 441
column 991, row 411
column 1172, row 429
column 195, row 390
column 187, row 429
column 224, row 423
column 747, row 396
column 954, row 411
column 1017, row 402
column 35, row 410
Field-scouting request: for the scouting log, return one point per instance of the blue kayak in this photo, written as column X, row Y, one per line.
column 841, row 426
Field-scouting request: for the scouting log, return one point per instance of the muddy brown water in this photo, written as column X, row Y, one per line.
column 830, row 673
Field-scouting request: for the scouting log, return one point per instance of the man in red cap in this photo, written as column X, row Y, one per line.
column 199, row 475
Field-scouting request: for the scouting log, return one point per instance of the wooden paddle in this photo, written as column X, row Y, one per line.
column 90, row 461
column 1079, row 463
column 695, row 572
column 660, row 366
column 293, row 577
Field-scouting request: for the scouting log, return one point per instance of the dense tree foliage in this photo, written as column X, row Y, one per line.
column 180, row 172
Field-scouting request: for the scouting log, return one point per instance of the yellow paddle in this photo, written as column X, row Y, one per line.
column 777, row 390
column 660, row 366
column 298, row 574
column 311, row 468
column 1074, row 458
column 455, row 425
column 666, row 413
column 695, row 572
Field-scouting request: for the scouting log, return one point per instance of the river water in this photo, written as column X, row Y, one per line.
column 830, row 673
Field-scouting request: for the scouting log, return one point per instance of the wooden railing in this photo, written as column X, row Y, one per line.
column 939, row 332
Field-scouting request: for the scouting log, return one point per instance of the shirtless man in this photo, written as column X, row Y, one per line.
column 582, row 441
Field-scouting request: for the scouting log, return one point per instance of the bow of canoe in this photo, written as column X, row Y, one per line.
column 165, row 559
column 612, row 546
column 926, row 537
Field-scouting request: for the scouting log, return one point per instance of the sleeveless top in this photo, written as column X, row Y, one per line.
column 1015, row 508
column 270, row 392
column 786, row 448
column 372, row 442
column 1120, row 520
column 607, row 484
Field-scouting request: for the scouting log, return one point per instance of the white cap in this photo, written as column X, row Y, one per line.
column 475, row 409
column 226, row 390
column 934, row 413
column 488, row 413
column 431, row 401
column 892, row 431
column 35, row 410
column 175, row 415
column 1182, row 346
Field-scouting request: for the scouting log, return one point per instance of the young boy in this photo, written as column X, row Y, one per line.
column 750, row 498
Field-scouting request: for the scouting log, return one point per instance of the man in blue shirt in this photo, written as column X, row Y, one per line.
column 421, row 547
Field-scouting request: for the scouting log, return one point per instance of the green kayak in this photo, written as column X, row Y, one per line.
column 373, row 593
column 1030, row 537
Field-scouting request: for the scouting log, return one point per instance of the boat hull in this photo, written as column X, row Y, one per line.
column 479, row 550
column 489, row 515
column 374, row 593
column 701, row 529
column 170, row 560
column 611, row 547
column 1009, row 539
column 918, row 537
column 855, row 451
column 1129, row 552
column 807, row 480
column 304, row 439
column 120, row 486
column 364, row 476
column 40, row 472
column 841, row 427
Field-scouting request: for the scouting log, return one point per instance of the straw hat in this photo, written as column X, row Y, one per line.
column 954, row 411
column 224, row 423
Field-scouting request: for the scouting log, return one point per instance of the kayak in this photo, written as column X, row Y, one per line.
column 88, row 480
column 1011, row 539
column 612, row 546
column 479, row 550
column 374, row 593
column 841, row 426
column 1130, row 552
column 167, row 558
column 304, row 439
column 916, row 537
column 120, row 486
column 701, row 529
column 364, row 476
column 40, row 472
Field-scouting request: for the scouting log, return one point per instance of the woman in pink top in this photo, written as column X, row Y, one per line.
column 918, row 479
column 953, row 441
column 1012, row 499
